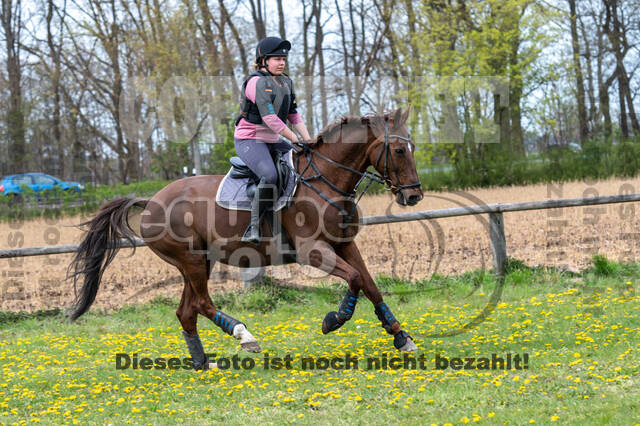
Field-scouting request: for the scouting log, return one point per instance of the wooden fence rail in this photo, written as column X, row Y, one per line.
column 495, row 211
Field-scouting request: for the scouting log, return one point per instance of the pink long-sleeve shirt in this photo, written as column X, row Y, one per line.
column 268, row 133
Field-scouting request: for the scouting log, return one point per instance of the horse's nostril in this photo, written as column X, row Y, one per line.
column 414, row 198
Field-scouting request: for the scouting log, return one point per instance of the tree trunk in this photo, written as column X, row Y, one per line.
column 307, row 68
column 345, row 60
column 603, row 86
column 78, row 167
column 321, row 72
column 591, row 89
column 257, row 14
column 11, row 24
column 212, row 48
column 54, row 53
column 236, row 37
column 195, row 149
column 617, row 37
column 515, row 98
column 128, row 167
column 624, row 124
column 281, row 22
column 575, row 42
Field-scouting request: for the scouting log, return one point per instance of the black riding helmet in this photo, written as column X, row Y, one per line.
column 272, row 46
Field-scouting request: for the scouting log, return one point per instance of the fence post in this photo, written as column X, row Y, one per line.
column 250, row 276
column 498, row 242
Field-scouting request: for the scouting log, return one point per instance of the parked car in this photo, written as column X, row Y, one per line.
column 39, row 182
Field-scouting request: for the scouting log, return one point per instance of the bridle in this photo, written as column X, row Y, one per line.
column 366, row 175
column 387, row 153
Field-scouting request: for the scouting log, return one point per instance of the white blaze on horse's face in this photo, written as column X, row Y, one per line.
column 410, row 144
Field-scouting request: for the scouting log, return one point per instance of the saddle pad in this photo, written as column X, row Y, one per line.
column 232, row 193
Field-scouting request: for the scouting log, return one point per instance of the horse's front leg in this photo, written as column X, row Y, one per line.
column 322, row 256
column 401, row 339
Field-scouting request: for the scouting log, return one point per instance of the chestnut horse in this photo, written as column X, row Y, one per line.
column 185, row 227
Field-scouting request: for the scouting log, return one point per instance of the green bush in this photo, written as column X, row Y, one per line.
column 7, row 317
column 604, row 267
column 476, row 168
column 263, row 296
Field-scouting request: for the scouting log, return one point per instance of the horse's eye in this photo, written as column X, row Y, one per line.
column 399, row 151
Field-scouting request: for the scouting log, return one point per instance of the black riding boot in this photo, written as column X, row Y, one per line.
column 263, row 200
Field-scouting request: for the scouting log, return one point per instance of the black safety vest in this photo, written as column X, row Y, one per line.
column 249, row 110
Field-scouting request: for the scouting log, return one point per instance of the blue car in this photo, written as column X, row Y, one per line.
column 39, row 182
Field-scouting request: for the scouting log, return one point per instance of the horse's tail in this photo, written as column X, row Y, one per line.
column 100, row 245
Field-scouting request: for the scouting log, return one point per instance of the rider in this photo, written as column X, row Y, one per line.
column 268, row 102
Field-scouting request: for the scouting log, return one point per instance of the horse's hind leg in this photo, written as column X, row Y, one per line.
column 195, row 269
column 197, row 275
column 188, row 317
column 401, row 339
column 196, row 300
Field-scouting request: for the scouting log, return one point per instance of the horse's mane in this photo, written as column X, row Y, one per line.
column 375, row 122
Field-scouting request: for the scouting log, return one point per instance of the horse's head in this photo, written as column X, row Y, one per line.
column 390, row 151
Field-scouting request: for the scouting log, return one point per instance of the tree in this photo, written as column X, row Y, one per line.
column 580, row 95
column 616, row 31
column 11, row 19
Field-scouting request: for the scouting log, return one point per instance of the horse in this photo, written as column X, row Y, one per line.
column 180, row 225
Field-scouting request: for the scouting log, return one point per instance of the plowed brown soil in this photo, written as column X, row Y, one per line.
column 413, row 250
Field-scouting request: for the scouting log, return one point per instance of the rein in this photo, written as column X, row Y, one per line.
column 366, row 175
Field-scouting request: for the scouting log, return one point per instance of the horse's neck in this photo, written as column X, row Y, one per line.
column 352, row 155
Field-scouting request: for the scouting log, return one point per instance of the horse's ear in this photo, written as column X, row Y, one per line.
column 405, row 114
column 400, row 117
column 397, row 118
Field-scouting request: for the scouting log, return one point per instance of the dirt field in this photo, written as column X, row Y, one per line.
column 411, row 250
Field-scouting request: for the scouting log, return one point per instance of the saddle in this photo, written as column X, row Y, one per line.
column 239, row 170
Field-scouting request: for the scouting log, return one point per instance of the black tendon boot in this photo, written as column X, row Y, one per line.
column 196, row 351
column 334, row 320
column 401, row 339
column 262, row 201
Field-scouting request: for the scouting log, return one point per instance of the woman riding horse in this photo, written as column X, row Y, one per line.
column 268, row 102
column 183, row 227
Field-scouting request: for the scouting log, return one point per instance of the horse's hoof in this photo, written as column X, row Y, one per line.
column 403, row 342
column 213, row 366
column 251, row 347
column 331, row 323
column 409, row 346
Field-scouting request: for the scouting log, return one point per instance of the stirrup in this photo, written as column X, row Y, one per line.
column 252, row 234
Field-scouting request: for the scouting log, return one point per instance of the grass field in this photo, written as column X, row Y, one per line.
column 581, row 335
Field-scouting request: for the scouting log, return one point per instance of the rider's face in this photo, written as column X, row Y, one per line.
column 276, row 64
